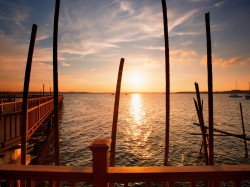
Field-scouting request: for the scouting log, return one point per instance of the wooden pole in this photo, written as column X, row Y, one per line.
column 115, row 116
column 43, row 89
column 199, row 110
column 55, row 81
column 24, row 123
column 243, row 129
column 167, row 71
column 210, row 92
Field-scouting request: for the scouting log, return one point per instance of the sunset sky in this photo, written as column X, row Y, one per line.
column 95, row 34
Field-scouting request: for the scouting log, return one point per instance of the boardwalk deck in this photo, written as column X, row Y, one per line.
column 10, row 119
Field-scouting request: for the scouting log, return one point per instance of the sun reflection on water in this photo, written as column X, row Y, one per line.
column 138, row 129
column 137, row 114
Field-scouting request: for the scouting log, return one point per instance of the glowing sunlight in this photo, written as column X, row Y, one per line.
column 136, row 79
column 135, row 82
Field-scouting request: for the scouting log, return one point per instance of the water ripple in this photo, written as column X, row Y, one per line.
column 141, row 129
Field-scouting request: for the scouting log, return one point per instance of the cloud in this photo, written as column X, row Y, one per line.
column 246, row 62
column 43, row 54
column 65, row 64
column 158, row 48
column 126, row 6
column 42, row 36
column 153, row 62
column 182, row 53
column 13, row 16
column 13, row 63
column 195, row 1
column 217, row 61
column 219, row 4
column 231, row 61
column 76, row 50
column 181, row 18
column 112, row 27
column 184, row 33
column 13, row 12
column 182, row 56
column 15, row 58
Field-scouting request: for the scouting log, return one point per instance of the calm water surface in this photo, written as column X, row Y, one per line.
column 141, row 128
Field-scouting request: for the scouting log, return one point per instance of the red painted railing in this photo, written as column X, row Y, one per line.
column 101, row 175
column 10, row 119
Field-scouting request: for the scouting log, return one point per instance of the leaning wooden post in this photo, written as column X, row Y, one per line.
column 167, row 71
column 100, row 152
column 55, row 83
column 243, row 129
column 24, row 124
column 199, row 109
column 115, row 115
column 210, row 93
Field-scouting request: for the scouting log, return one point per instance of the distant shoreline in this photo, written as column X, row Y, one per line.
column 8, row 93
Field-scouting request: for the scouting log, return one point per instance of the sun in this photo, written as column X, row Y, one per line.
column 136, row 79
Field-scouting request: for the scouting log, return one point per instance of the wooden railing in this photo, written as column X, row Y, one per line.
column 10, row 123
column 101, row 175
column 10, row 107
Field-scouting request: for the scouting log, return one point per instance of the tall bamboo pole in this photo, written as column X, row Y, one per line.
column 210, row 93
column 167, row 71
column 115, row 115
column 55, row 84
column 25, row 96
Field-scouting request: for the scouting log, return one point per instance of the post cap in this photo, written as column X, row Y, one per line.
column 100, row 144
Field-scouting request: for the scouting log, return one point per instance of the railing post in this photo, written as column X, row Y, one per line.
column 100, row 152
column 1, row 108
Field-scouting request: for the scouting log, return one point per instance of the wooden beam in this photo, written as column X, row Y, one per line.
column 240, row 136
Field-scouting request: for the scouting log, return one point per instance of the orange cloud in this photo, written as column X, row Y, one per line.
column 221, row 62
column 182, row 56
column 231, row 61
column 153, row 62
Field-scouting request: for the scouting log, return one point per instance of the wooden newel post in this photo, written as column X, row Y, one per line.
column 100, row 152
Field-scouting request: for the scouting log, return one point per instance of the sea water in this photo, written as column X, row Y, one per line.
column 141, row 129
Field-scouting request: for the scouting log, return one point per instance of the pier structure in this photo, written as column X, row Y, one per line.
column 100, row 174
column 40, row 110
